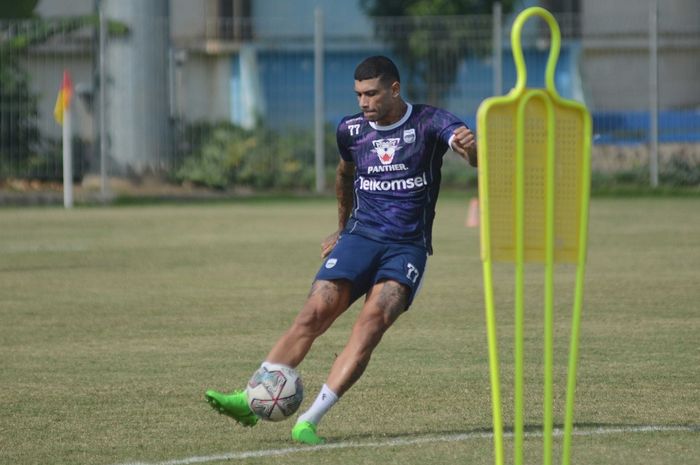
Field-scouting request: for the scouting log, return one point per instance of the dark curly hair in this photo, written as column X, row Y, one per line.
column 378, row 66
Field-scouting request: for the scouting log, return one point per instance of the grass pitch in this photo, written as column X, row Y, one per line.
column 115, row 321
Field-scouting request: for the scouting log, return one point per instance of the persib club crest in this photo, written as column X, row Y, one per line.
column 386, row 148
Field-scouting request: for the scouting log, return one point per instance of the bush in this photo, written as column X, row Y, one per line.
column 19, row 132
column 628, row 165
column 680, row 172
column 457, row 174
column 222, row 156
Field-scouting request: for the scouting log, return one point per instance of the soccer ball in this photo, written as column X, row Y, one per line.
column 275, row 394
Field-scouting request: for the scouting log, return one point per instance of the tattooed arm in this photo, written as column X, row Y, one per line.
column 344, row 178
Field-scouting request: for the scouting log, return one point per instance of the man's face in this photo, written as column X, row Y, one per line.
column 376, row 99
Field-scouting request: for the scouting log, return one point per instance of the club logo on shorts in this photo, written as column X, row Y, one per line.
column 409, row 136
column 330, row 263
column 386, row 148
column 413, row 272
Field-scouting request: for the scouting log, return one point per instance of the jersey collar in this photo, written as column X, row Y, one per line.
column 403, row 119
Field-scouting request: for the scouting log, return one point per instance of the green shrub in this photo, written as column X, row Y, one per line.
column 680, row 172
column 223, row 155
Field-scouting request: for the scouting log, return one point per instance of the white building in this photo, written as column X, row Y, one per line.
column 240, row 60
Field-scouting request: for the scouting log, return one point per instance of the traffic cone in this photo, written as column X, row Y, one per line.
column 473, row 213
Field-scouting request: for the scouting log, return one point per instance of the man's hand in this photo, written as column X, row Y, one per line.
column 328, row 244
column 464, row 143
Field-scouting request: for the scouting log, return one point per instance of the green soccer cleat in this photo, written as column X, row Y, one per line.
column 305, row 433
column 234, row 405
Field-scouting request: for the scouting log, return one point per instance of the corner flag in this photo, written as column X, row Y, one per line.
column 64, row 97
column 62, row 114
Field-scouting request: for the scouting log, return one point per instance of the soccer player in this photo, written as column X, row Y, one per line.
column 387, row 183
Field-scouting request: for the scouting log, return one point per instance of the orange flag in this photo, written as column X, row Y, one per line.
column 64, row 97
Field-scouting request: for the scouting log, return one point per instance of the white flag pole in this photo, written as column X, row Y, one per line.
column 67, row 159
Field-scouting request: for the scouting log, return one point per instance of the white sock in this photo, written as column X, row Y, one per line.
column 270, row 366
column 324, row 401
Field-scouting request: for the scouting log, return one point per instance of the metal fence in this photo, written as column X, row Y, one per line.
column 248, row 104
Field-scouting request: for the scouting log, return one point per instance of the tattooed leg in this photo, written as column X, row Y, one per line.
column 385, row 302
column 326, row 301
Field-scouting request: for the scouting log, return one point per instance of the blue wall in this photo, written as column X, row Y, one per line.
column 288, row 88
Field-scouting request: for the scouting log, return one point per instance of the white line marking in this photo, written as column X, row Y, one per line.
column 603, row 430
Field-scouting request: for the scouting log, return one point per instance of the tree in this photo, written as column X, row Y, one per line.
column 431, row 49
column 18, row 9
column 18, row 106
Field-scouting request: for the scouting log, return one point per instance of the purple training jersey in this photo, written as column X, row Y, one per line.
column 397, row 173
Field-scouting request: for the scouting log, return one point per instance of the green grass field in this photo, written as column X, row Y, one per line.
column 114, row 321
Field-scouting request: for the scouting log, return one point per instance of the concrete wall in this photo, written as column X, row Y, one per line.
column 202, row 87
column 188, row 19
column 58, row 8
column 274, row 18
column 138, row 87
column 615, row 59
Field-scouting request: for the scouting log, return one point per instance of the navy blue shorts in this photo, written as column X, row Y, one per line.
column 365, row 262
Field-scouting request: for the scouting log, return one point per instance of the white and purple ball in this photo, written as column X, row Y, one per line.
column 275, row 392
